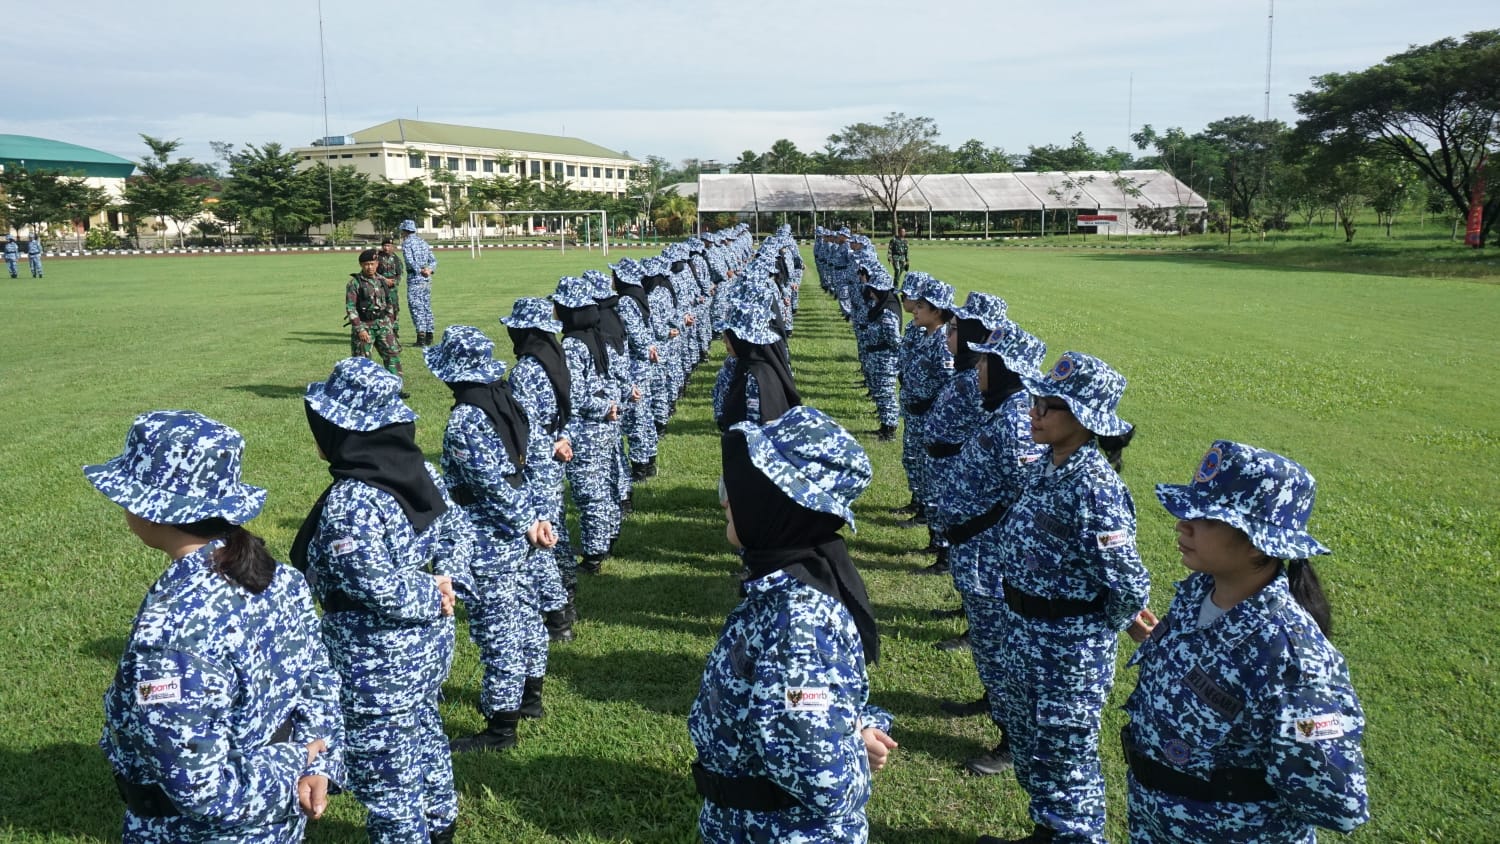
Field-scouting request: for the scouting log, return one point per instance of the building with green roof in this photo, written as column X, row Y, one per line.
column 97, row 168
column 401, row 150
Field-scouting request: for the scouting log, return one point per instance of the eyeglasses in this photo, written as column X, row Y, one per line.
column 1042, row 405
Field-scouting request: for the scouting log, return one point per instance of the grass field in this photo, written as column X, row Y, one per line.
column 1385, row 386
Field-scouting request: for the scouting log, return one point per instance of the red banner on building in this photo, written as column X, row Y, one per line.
column 1476, row 207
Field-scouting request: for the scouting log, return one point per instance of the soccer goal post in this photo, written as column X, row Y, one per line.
column 476, row 227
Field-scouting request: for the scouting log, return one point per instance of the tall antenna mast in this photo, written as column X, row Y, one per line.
column 1130, row 111
column 1270, row 32
column 323, row 72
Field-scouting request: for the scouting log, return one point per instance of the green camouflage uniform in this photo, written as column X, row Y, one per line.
column 899, row 262
column 369, row 308
column 390, row 270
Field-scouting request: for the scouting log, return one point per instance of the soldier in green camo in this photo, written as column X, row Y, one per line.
column 390, row 270
column 371, row 323
column 898, row 256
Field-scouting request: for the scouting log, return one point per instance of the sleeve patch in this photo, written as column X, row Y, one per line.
column 1113, row 539
column 807, row 699
column 160, row 690
column 343, row 545
column 1316, row 727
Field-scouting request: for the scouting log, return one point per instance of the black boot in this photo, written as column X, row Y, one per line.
column 651, row 467
column 906, row 509
column 1039, row 835
column 956, row 612
column 444, row 835
column 500, row 734
column 886, row 433
column 639, row 472
column 592, row 563
column 531, row 699
column 918, row 518
column 627, row 506
column 957, row 643
column 939, row 566
column 559, row 624
column 960, row 709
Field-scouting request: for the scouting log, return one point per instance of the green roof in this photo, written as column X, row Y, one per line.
column 62, row 157
column 402, row 131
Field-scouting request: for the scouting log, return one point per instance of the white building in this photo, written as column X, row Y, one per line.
column 401, row 150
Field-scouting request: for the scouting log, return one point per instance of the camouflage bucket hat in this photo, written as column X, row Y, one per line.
column 749, row 319
column 465, row 354
column 812, row 459
column 1090, row 387
column 1260, row 492
column 603, row 285
column 912, row 284
column 879, row 279
column 984, row 307
column 1022, row 353
column 532, row 312
column 655, row 265
column 360, row 395
column 179, row 467
column 573, row 292
column 407, row 225
column 938, row 294
column 628, row 271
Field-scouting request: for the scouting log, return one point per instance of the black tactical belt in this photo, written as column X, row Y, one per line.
column 752, row 794
column 964, row 531
column 918, row 407
column 151, row 801
column 1225, row 785
column 944, row 449
column 1049, row 609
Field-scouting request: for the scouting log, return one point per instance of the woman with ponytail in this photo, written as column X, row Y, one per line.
column 1244, row 725
column 223, row 721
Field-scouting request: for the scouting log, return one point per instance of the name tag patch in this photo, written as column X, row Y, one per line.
column 1112, row 539
column 807, row 699
column 343, row 546
column 1227, row 705
column 1310, row 728
column 161, row 690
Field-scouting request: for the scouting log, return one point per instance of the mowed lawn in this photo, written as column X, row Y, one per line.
column 1385, row 387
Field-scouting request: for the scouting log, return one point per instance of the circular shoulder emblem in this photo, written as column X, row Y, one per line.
column 1062, row 369
column 1176, row 751
column 1210, row 466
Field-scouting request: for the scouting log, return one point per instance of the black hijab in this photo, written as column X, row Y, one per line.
column 611, row 328
column 883, row 300
column 582, row 325
column 386, row 458
column 651, row 282
column 779, row 534
column 636, row 292
column 778, row 390
column 542, row 347
column 969, row 331
column 506, row 415
column 1000, row 382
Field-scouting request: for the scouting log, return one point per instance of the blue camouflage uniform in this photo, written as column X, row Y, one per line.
column 664, row 320
column 1064, row 580
column 621, row 372
column 924, row 365
column 640, row 430
column 591, row 472
column 418, row 255
column 545, row 475
column 386, row 636
column 506, row 605
column 12, row 255
column 219, row 689
column 1244, row 725
column 747, row 316
column 34, row 254
column 785, row 691
column 881, row 340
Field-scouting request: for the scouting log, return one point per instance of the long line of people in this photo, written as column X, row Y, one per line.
column 235, row 709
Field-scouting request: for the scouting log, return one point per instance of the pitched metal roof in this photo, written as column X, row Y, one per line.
column 62, row 157
column 402, row 131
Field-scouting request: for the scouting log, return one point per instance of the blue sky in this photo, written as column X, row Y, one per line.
column 702, row 79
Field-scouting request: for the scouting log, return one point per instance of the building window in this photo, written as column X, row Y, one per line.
column 471, row 164
column 572, row 170
column 609, row 172
column 489, row 166
column 435, row 193
column 414, row 161
column 433, row 223
column 347, row 155
column 536, row 168
column 452, row 163
column 434, row 163
column 505, row 167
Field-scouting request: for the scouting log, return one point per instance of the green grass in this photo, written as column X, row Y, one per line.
column 1384, row 386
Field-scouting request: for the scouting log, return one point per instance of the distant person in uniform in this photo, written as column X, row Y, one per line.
column 899, row 255
column 34, row 252
column 223, row 721
column 371, row 326
column 420, row 265
column 390, row 270
column 12, row 254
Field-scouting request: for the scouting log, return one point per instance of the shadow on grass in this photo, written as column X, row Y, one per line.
column 929, row 835
column 655, row 681
column 320, row 338
column 32, row 780
column 271, row 391
column 107, row 648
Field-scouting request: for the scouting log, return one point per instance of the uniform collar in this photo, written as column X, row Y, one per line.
column 1076, row 462
column 769, row 583
column 185, row 568
column 1243, row 619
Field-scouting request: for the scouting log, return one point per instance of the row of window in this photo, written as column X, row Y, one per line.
column 471, row 165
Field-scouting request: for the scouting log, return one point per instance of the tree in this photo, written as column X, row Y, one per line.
column 33, row 198
column 676, row 215
column 390, row 203
column 1434, row 106
column 645, row 188
column 350, row 188
column 1250, row 153
column 882, row 157
column 972, row 156
column 749, row 162
column 163, row 190
column 268, row 194
column 1077, row 155
column 784, row 157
